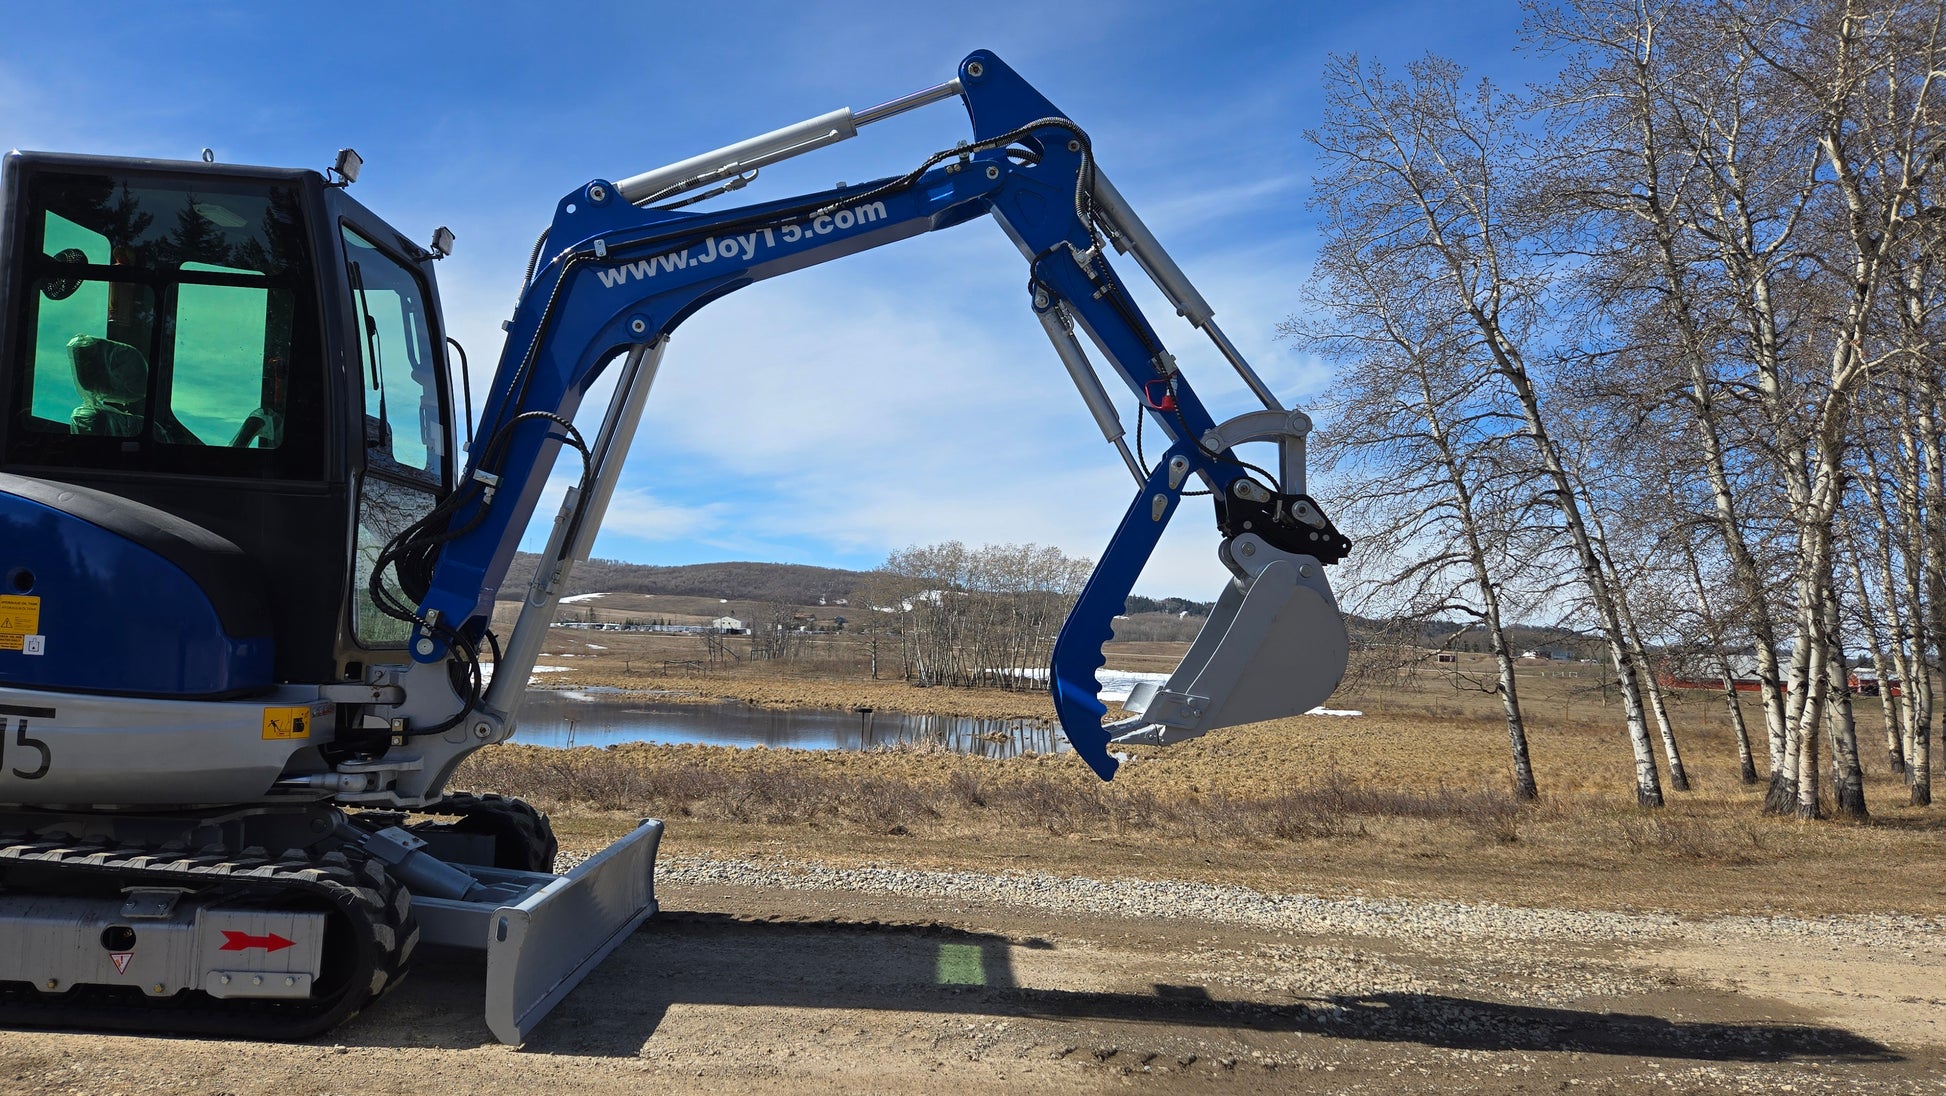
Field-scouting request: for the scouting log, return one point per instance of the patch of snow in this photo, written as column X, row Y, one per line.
column 1115, row 684
column 596, row 647
column 595, row 695
column 1118, row 684
column 581, row 597
column 486, row 671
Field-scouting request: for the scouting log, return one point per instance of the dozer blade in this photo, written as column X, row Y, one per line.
column 1274, row 646
column 541, row 947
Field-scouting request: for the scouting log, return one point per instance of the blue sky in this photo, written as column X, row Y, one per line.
column 898, row 397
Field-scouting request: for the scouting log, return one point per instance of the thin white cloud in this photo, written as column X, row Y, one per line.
column 1183, row 211
column 636, row 512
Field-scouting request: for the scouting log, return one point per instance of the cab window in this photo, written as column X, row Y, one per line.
column 172, row 328
column 404, row 430
column 405, row 433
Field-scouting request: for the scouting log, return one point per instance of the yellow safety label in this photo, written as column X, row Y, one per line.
column 20, row 614
column 292, row 722
column 20, row 617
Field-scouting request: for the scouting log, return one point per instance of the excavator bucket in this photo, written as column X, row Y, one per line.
column 1274, row 646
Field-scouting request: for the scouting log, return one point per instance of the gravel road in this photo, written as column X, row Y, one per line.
column 791, row 976
column 1304, row 913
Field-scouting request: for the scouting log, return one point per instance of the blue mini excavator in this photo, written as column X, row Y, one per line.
column 249, row 549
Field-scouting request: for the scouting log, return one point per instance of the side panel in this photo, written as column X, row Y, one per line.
column 86, row 608
column 66, row 749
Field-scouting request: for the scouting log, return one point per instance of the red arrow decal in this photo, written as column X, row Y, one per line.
column 243, row 941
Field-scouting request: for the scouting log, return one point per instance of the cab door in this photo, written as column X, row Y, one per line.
column 400, row 376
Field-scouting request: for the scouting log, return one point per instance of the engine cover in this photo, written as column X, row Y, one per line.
column 99, row 594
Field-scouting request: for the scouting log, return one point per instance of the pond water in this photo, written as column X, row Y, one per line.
column 599, row 717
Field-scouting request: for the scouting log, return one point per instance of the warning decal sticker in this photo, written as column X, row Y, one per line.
column 288, row 723
column 121, row 959
column 20, row 620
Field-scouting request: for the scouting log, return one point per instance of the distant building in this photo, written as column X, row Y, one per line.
column 728, row 625
column 1548, row 654
column 1864, row 681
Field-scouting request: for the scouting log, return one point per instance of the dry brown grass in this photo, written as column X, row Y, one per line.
column 1390, row 804
column 1412, row 798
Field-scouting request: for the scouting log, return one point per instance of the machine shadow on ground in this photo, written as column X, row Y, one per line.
column 706, row 958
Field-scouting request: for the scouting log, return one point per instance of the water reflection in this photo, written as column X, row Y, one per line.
column 594, row 717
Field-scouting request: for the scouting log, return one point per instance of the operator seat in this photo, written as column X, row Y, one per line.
column 114, row 381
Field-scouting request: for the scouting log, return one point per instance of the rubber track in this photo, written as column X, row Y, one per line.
column 356, row 892
column 525, row 819
column 520, row 819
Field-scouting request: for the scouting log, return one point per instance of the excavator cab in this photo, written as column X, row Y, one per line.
column 245, row 350
column 222, row 390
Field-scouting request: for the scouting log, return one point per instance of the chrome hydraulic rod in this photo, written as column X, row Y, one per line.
column 611, row 444
column 570, row 543
column 1129, row 234
column 769, row 148
column 1235, row 358
column 1088, row 382
column 903, row 103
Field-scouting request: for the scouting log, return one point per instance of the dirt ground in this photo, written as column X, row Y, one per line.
column 774, row 990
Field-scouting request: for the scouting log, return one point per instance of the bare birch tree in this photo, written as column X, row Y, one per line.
column 1779, row 149
column 1434, row 169
column 985, row 616
column 1424, row 452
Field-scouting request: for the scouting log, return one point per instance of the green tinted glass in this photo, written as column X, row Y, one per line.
column 402, row 415
column 218, row 377
column 171, row 328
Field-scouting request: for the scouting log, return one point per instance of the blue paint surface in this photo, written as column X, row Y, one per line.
column 114, row 616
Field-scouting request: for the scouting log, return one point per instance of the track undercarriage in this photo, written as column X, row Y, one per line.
column 283, row 922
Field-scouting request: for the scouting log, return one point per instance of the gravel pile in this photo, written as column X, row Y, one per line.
column 1299, row 913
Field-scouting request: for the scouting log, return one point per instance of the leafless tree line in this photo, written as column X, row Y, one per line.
column 1652, row 348
column 975, row 616
column 775, row 632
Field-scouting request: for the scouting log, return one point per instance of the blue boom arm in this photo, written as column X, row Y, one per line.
column 620, row 276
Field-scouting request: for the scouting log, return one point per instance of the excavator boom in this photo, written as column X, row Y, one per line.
column 618, row 277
